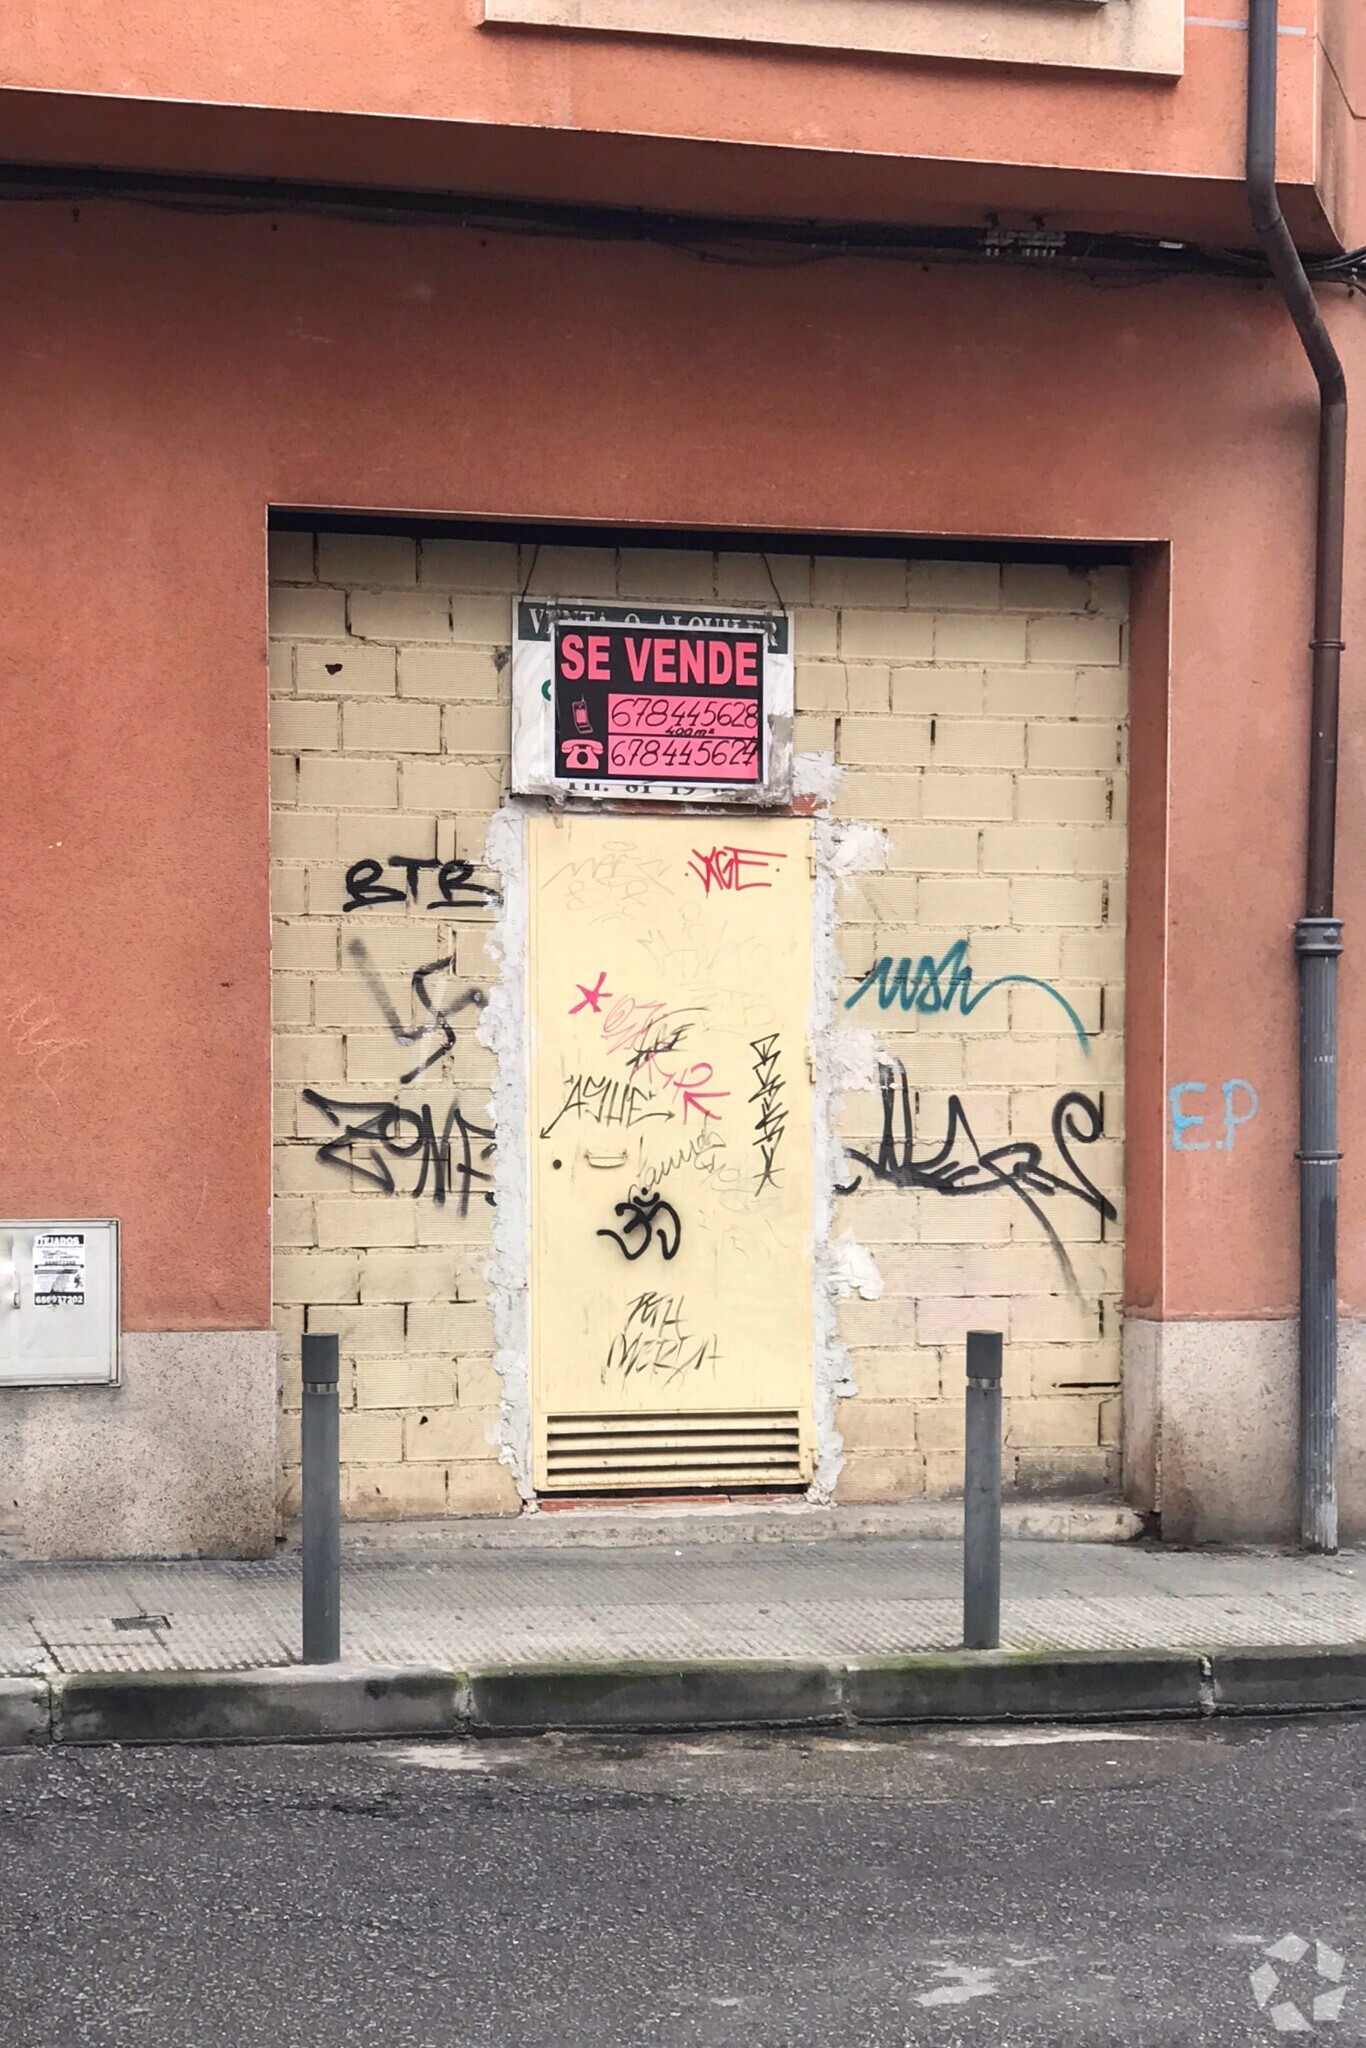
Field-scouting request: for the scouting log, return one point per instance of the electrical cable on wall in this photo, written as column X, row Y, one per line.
column 747, row 244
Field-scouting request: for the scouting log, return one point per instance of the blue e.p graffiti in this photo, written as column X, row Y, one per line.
column 1241, row 1103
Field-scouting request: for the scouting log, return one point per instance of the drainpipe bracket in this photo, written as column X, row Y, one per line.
column 1318, row 936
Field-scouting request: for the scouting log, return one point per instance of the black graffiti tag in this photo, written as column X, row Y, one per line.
column 961, row 1167
column 447, row 1155
column 653, row 1340
column 437, row 1014
column 455, row 886
column 771, row 1121
column 648, row 1213
column 601, row 1100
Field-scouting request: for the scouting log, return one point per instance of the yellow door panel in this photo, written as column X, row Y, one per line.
column 670, row 1106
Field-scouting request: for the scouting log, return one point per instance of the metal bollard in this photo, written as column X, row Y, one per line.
column 321, row 1503
column 982, row 1494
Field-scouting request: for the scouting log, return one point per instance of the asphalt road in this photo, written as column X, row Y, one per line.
column 1026, row 1886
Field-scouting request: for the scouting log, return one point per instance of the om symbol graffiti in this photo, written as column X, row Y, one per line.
column 653, row 1217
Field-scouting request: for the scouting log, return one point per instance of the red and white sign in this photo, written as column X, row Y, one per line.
column 619, row 701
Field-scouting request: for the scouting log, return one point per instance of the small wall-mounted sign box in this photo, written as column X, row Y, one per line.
column 673, row 704
column 59, row 1303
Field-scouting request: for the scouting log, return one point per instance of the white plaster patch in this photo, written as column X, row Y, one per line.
column 816, row 775
column 851, row 1269
column 842, row 1058
column 503, row 1031
column 855, row 1058
column 859, row 849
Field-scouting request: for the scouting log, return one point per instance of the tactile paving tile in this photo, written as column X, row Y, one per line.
column 58, row 1589
column 194, row 1642
column 22, row 1652
column 839, row 1599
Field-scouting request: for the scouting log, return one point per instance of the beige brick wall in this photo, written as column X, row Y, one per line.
column 389, row 738
column 981, row 721
column 979, row 714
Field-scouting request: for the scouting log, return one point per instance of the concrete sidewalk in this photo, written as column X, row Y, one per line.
column 539, row 1613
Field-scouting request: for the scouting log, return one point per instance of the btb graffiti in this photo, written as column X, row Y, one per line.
column 453, row 882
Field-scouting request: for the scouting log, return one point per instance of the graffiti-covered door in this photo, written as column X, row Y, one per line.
column 671, row 1152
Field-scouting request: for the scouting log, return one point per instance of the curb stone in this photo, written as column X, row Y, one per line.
column 634, row 1697
column 1004, row 1685
column 1268, row 1681
column 25, row 1712
column 337, row 1703
column 294, row 1703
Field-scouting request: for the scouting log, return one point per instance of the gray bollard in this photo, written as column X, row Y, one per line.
column 982, row 1494
column 321, row 1503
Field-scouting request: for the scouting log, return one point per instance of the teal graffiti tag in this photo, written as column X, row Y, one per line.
column 931, row 987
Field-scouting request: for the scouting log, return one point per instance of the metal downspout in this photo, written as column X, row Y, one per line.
column 1318, row 934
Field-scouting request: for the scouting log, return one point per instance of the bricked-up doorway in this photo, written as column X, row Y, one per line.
column 671, row 1148
column 977, row 713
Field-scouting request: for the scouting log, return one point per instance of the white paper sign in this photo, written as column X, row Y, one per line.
column 59, row 1269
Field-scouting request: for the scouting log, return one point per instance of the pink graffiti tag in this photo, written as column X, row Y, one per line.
column 724, row 867
column 694, row 1097
column 648, row 1032
column 593, row 998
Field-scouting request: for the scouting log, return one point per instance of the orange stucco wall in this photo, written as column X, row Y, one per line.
column 169, row 377
column 426, row 94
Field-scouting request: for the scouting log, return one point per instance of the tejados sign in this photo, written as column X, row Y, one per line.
column 676, row 704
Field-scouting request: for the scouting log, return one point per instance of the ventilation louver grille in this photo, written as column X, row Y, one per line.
column 660, row 1453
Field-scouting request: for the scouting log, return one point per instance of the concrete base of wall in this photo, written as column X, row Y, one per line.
column 178, row 1461
column 1211, row 1434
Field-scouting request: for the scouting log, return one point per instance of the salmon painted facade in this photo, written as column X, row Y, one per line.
column 658, row 715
